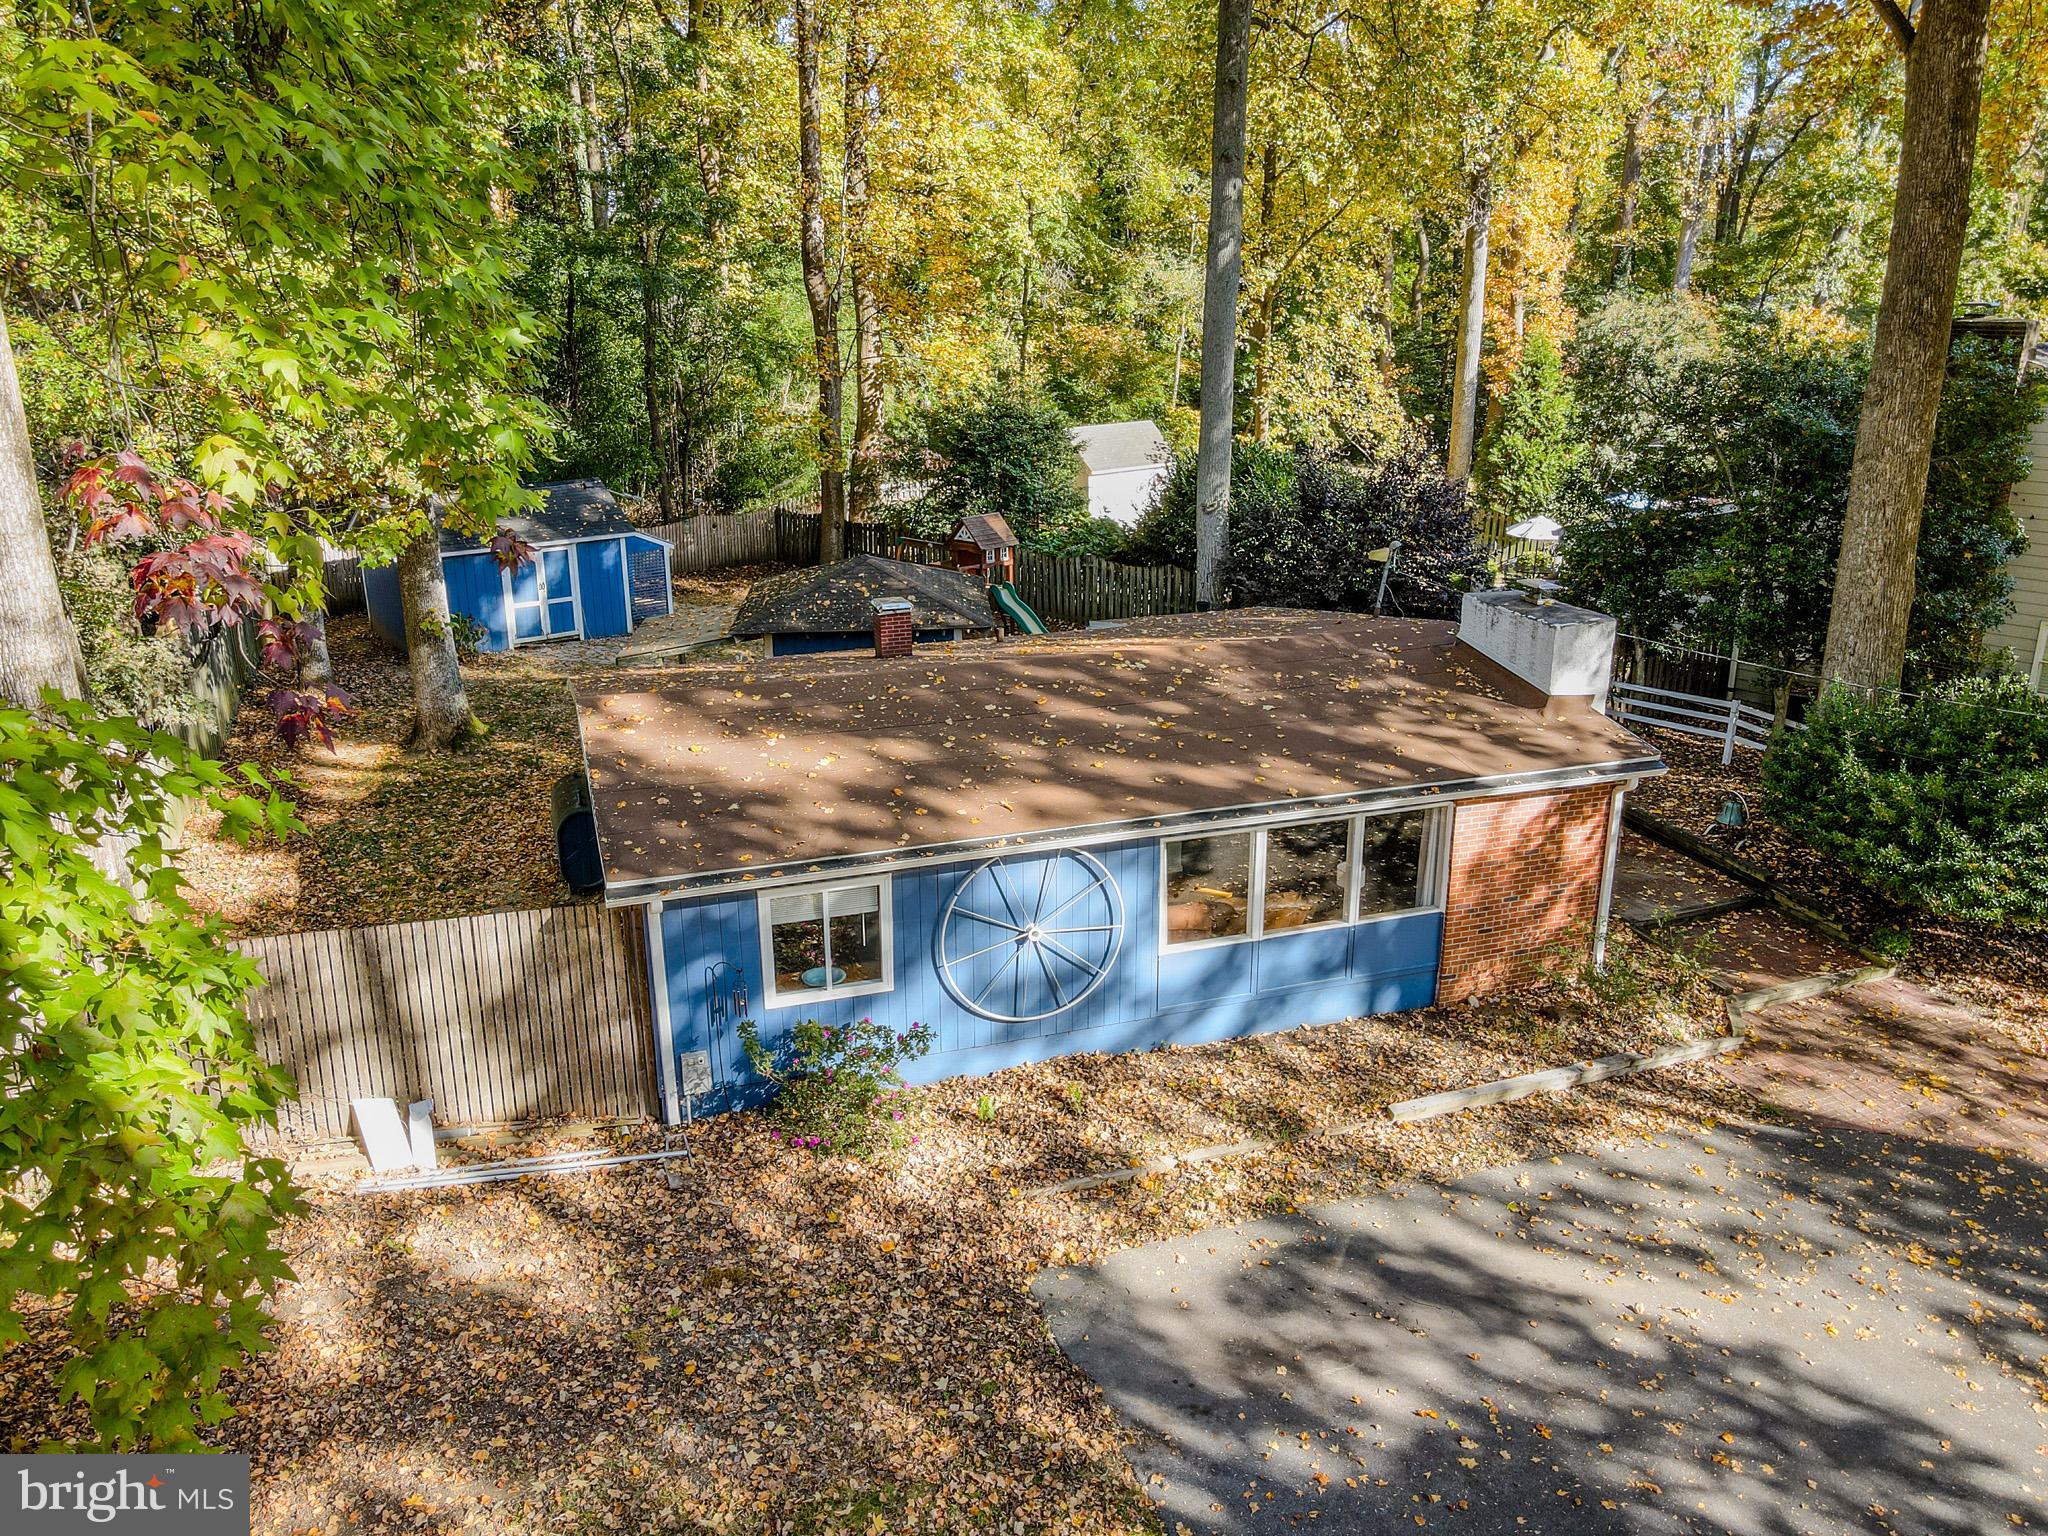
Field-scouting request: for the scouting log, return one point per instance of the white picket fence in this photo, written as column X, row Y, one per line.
column 1728, row 721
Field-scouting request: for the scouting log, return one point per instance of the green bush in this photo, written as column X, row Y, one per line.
column 1939, row 800
column 1302, row 523
column 839, row 1088
column 1004, row 451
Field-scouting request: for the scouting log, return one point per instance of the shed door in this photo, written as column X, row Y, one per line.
column 542, row 597
column 558, row 572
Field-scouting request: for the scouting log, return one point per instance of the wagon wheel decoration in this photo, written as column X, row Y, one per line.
column 1025, row 938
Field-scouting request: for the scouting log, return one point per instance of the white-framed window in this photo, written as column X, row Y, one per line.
column 1320, row 872
column 820, row 942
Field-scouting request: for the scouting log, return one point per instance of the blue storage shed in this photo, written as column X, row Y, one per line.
column 592, row 574
column 1184, row 830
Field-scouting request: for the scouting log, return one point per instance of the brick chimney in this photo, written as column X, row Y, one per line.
column 893, row 634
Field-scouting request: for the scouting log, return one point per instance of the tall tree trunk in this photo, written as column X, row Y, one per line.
column 38, row 646
column 1219, row 299
column 1693, row 212
column 1629, row 197
column 579, row 123
column 1418, row 288
column 1264, row 270
column 315, row 664
column 1471, row 328
column 819, row 290
column 651, row 392
column 862, row 110
column 1866, row 644
column 583, row 93
column 442, row 718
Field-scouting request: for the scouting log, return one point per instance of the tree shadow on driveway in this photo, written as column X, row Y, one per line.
column 1759, row 1331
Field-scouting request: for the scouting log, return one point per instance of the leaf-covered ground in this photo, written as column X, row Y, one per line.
column 784, row 1343
column 2002, row 969
column 393, row 836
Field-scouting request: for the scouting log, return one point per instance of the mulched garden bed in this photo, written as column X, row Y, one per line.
column 2003, row 968
column 789, row 1343
column 1692, row 793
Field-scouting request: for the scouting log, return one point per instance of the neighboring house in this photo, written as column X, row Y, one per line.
column 1180, row 830
column 592, row 574
column 831, row 607
column 2025, row 631
column 1123, row 464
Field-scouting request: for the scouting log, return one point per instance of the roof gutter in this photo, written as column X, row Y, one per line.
column 1482, row 786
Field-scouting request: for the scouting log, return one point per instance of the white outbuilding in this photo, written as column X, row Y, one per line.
column 1123, row 464
column 2025, row 630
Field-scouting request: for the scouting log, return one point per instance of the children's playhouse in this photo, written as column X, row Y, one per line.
column 1176, row 830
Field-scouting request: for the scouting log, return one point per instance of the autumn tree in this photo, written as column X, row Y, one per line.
column 195, row 185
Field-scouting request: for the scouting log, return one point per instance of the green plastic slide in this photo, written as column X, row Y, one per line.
column 1015, row 609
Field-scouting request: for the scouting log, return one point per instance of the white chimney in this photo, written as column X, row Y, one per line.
column 1559, row 650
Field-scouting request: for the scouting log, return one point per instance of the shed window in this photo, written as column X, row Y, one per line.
column 1208, row 888
column 1305, row 874
column 826, row 941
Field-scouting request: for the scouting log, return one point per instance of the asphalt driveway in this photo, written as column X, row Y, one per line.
column 1758, row 1330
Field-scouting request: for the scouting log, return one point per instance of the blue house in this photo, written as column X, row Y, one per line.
column 592, row 574
column 1181, row 830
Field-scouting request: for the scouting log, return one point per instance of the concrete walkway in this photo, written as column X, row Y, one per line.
column 1836, row 1324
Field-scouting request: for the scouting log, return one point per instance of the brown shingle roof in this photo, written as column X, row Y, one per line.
column 836, row 599
column 989, row 530
column 706, row 774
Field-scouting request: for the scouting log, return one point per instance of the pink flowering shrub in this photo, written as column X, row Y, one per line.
column 839, row 1087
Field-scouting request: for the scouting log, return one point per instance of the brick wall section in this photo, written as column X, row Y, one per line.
column 1524, row 878
column 893, row 634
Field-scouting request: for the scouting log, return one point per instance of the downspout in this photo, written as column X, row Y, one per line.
column 664, row 1017
column 1607, row 874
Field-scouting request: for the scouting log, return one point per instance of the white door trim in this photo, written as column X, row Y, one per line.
column 540, row 586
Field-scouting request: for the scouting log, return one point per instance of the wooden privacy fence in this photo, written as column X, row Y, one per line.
column 1728, row 721
column 718, row 539
column 343, row 578
column 1065, row 589
column 498, row 1018
column 1492, row 528
column 1073, row 589
column 221, row 669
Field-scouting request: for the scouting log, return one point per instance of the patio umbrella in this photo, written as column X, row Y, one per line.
column 1537, row 530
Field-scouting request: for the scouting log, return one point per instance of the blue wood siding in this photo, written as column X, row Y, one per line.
column 601, row 582
column 476, row 588
column 849, row 640
column 473, row 588
column 380, row 598
column 1148, row 997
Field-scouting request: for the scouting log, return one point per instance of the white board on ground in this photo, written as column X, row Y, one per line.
column 419, row 1130
column 382, row 1134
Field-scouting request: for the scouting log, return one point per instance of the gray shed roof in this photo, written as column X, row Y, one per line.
column 837, row 599
column 570, row 509
column 1109, row 446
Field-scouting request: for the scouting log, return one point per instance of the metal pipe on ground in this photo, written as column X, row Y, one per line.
column 518, row 1168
